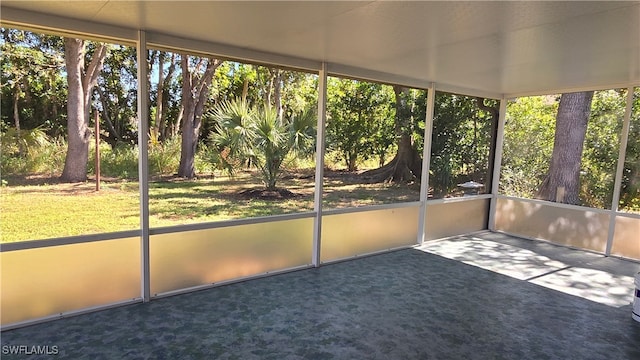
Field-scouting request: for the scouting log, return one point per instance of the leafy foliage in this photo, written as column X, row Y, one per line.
column 360, row 120
column 630, row 193
column 33, row 88
column 528, row 143
column 461, row 142
column 276, row 126
column 601, row 147
column 529, row 137
column 30, row 152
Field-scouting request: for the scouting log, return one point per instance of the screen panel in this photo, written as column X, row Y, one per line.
column 374, row 133
column 625, row 239
column 535, row 135
column 349, row 234
column 53, row 280
column 192, row 258
column 461, row 145
column 455, row 218
column 579, row 228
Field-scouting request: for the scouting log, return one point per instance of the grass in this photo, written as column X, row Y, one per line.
column 43, row 211
column 32, row 209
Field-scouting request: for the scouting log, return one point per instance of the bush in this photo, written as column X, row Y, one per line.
column 164, row 157
column 120, row 162
column 206, row 160
column 31, row 152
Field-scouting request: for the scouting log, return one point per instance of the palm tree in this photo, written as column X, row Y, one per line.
column 260, row 136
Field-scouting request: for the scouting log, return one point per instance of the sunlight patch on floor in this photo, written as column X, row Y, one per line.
column 595, row 285
column 504, row 259
column 523, row 264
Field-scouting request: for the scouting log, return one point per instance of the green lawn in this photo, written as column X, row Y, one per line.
column 38, row 210
column 43, row 211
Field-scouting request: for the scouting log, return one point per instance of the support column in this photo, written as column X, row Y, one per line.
column 497, row 164
column 617, row 185
column 319, row 177
column 426, row 162
column 143, row 159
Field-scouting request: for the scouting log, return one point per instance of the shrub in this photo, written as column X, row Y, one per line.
column 164, row 157
column 30, row 152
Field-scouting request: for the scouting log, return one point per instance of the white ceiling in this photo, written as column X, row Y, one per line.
column 492, row 47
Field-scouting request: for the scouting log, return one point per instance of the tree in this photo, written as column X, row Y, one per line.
column 356, row 110
column 601, row 147
column 31, row 81
column 81, row 82
column 406, row 166
column 261, row 136
column 461, row 142
column 528, row 144
column 562, row 183
column 493, row 110
column 630, row 193
column 162, row 127
column 195, row 95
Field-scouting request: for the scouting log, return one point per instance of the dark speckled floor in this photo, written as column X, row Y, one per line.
column 409, row 304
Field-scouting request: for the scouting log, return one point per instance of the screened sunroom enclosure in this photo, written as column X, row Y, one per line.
column 494, row 51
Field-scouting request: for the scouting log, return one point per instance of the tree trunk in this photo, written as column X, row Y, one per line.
column 352, row 161
column 268, row 91
column 245, row 89
column 195, row 93
column 16, row 121
column 80, row 85
column 562, row 183
column 75, row 164
column 277, row 92
column 16, row 111
column 167, row 131
column 159, row 100
column 406, row 166
column 495, row 115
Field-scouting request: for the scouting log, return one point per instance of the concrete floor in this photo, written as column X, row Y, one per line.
column 479, row 296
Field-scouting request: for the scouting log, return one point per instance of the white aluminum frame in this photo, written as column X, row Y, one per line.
column 497, row 164
column 319, row 175
column 367, row 208
column 622, row 154
column 141, row 39
column 426, row 162
column 614, row 211
column 68, row 240
column 143, row 165
column 459, row 199
column 228, row 223
column 71, row 313
column 555, row 204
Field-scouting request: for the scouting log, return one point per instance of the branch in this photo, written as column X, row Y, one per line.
column 93, row 71
column 203, row 89
column 494, row 111
column 105, row 114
